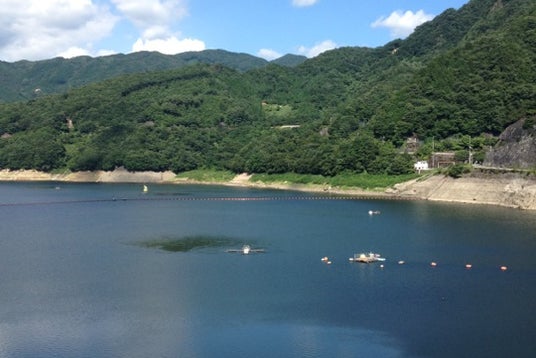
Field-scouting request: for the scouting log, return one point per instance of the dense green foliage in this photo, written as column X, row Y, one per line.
column 25, row 80
column 363, row 180
column 456, row 83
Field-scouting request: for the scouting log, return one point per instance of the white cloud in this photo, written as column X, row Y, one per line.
column 317, row 49
column 78, row 51
column 268, row 54
column 105, row 52
column 303, row 3
column 74, row 52
column 39, row 29
column 154, row 19
column 402, row 24
column 149, row 13
column 169, row 46
column 155, row 32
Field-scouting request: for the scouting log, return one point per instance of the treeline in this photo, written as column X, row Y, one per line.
column 349, row 110
column 25, row 80
column 198, row 117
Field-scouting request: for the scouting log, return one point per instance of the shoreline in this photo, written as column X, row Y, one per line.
column 513, row 191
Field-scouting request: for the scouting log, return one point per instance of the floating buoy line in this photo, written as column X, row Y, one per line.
column 215, row 198
column 324, row 259
column 467, row 266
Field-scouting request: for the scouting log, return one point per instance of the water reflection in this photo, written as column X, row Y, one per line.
column 93, row 278
column 184, row 244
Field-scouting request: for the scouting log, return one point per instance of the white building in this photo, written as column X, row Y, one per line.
column 421, row 165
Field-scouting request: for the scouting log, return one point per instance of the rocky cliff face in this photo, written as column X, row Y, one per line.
column 516, row 147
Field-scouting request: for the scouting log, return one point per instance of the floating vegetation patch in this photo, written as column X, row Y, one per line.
column 188, row 243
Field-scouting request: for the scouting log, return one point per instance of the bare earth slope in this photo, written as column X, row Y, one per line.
column 116, row 176
column 513, row 192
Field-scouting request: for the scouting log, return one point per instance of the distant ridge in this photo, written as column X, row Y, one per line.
column 289, row 60
column 23, row 80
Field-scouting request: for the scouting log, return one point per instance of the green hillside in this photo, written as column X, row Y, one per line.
column 24, row 80
column 456, row 83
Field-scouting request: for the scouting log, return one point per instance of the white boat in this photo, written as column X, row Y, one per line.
column 366, row 258
column 374, row 212
column 246, row 250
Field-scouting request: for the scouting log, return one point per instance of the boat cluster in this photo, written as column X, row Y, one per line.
column 366, row 258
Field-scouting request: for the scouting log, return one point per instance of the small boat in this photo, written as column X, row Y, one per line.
column 374, row 212
column 326, row 260
column 145, row 189
column 246, row 250
column 366, row 258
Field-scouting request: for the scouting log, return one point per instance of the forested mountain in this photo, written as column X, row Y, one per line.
column 455, row 83
column 24, row 80
column 289, row 60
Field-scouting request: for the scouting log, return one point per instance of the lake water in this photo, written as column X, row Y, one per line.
column 82, row 276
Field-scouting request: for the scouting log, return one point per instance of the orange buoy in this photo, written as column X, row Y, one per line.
column 468, row 266
column 433, row 264
column 504, row 268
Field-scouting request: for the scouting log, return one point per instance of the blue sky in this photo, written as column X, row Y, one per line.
column 41, row 29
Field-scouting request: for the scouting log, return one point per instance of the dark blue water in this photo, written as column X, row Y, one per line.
column 78, row 280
